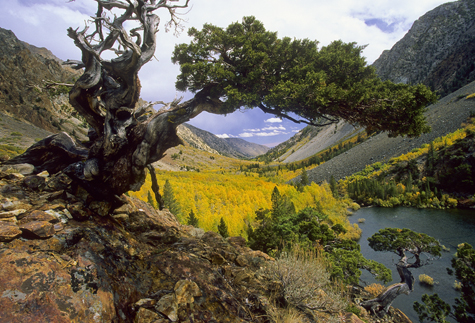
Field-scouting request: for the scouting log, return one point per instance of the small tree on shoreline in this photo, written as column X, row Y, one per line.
column 400, row 241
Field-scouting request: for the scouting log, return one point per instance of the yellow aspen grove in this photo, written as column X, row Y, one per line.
column 237, row 197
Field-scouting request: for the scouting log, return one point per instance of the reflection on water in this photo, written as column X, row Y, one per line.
column 450, row 227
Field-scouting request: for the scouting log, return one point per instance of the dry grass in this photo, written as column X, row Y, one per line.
column 288, row 314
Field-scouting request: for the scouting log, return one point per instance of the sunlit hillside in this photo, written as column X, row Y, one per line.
column 185, row 157
column 235, row 196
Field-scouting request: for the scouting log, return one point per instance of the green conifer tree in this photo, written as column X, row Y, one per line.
column 304, row 177
column 151, row 200
column 169, row 200
column 333, row 186
column 223, row 228
column 192, row 220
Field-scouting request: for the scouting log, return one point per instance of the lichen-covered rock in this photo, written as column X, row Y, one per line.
column 146, row 316
column 9, row 231
column 38, row 215
column 37, row 229
column 39, row 288
column 34, row 182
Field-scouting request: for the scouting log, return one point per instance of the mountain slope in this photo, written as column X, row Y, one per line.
column 326, row 137
column 437, row 51
column 444, row 117
column 231, row 147
column 24, row 72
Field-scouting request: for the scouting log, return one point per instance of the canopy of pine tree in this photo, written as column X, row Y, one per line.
column 243, row 65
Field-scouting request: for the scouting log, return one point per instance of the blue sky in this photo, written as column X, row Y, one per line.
column 376, row 23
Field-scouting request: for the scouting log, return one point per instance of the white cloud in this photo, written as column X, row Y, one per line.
column 273, row 120
column 261, row 134
column 274, row 128
column 224, row 135
column 254, row 130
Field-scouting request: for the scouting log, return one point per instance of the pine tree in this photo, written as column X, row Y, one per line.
column 304, row 177
column 223, row 228
column 409, row 183
column 169, row 200
column 333, row 186
column 193, row 220
column 151, row 200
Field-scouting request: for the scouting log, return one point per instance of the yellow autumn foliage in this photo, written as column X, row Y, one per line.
column 237, row 196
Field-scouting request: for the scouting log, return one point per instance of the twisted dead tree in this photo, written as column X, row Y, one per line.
column 400, row 241
column 241, row 66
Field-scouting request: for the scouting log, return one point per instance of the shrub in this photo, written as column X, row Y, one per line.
column 361, row 220
column 458, row 285
column 426, row 279
column 352, row 308
column 305, row 281
column 16, row 133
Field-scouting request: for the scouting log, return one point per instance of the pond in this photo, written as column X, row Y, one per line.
column 450, row 227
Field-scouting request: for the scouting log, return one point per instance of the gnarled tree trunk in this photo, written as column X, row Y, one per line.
column 383, row 301
column 124, row 137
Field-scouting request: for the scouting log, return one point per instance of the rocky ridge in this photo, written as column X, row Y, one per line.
column 230, row 147
column 437, row 51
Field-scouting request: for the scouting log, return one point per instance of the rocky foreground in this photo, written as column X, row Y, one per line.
column 67, row 258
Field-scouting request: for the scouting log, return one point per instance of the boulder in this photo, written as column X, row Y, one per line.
column 39, row 216
column 8, row 231
column 37, row 229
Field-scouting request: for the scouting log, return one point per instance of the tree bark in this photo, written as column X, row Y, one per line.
column 383, row 301
column 125, row 138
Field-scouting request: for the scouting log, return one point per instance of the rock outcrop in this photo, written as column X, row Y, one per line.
column 65, row 257
column 437, row 51
column 61, row 261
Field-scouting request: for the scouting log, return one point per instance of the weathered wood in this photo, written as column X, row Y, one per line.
column 125, row 138
column 383, row 301
column 53, row 154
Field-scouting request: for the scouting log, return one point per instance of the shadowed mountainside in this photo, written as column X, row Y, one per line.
column 444, row 117
column 437, row 51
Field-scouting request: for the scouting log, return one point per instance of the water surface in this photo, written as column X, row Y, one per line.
column 450, row 227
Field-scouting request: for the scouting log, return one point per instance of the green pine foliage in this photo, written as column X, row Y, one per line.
column 169, row 200
column 280, row 226
column 245, row 65
column 223, row 228
column 193, row 220
column 151, row 200
column 334, row 186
